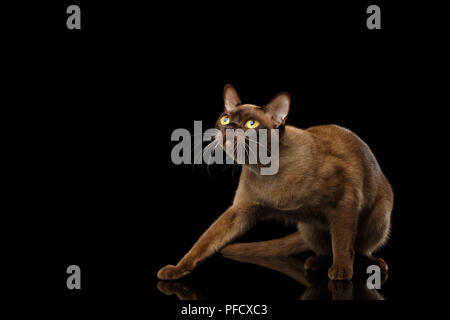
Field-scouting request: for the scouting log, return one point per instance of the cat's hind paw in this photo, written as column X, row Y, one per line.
column 379, row 262
column 362, row 262
column 317, row 263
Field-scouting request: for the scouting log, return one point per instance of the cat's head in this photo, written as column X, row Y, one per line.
column 246, row 122
column 249, row 116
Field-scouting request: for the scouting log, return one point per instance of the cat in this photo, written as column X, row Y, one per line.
column 329, row 183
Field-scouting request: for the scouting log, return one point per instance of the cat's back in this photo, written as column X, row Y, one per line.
column 337, row 141
column 340, row 148
column 331, row 132
column 330, row 143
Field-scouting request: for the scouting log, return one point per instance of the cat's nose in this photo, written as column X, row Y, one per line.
column 232, row 125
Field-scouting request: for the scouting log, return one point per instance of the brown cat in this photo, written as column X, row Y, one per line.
column 328, row 182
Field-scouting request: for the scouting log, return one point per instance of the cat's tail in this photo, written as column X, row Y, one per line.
column 290, row 244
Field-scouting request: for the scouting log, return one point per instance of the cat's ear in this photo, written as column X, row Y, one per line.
column 278, row 108
column 230, row 98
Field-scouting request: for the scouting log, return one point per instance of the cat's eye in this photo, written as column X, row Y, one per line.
column 251, row 124
column 225, row 120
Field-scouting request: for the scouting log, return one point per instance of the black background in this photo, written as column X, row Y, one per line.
column 97, row 106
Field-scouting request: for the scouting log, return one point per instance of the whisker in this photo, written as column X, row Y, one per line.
column 212, row 145
column 254, row 154
column 259, row 143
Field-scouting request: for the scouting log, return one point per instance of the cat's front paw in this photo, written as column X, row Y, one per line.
column 171, row 272
column 340, row 271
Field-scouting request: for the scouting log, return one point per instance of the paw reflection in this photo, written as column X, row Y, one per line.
column 316, row 284
column 182, row 290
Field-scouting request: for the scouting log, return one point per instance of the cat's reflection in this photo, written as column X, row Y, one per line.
column 317, row 286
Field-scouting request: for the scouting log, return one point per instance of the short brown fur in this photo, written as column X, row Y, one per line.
column 329, row 183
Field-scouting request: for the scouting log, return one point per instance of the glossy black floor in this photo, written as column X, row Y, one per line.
column 274, row 279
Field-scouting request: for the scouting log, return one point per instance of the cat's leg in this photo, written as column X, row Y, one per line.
column 288, row 245
column 231, row 224
column 319, row 240
column 374, row 231
column 343, row 229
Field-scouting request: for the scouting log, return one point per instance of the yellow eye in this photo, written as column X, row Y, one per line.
column 251, row 124
column 224, row 120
